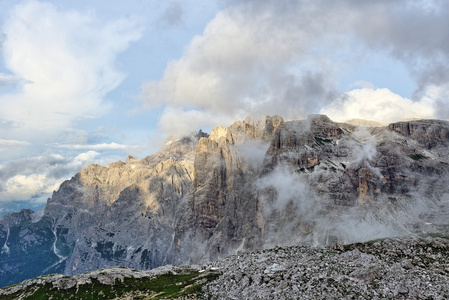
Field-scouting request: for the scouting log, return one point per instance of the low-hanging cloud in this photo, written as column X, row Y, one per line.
column 290, row 188
column 285, row 57
column 253, row 152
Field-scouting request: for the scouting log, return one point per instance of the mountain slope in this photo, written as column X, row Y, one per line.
column 255, row 185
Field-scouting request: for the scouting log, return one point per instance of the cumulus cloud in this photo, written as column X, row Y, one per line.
column 381, row 105
column 38, row 176
column 82, row 158
column 286, row 57
column 52, row 164
column 412, row 32
column 240, row 64
column 22, row 187
column 68, row 60
column 61, row 64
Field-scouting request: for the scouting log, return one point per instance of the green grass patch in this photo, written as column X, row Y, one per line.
column 162, row 287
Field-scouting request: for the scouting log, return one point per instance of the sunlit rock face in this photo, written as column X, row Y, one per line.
column 257, row 184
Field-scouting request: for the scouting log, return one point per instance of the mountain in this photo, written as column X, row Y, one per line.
column 400, row 268
column 258, row 184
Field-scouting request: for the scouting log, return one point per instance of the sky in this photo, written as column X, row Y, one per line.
column 86, row 82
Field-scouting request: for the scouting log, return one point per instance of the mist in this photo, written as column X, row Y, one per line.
column 299, row 207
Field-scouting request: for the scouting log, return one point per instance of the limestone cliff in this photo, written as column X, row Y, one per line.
column 256, row 184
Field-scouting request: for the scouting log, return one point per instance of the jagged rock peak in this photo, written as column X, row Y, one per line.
column 263, row 121
column 130, row 159
column 201, row 134
column 260, row 128
column 218, row 133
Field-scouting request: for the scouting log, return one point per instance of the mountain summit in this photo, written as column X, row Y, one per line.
column 254, row 185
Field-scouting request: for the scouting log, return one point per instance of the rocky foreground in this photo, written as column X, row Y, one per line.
column 399, row 268
column 409, row 268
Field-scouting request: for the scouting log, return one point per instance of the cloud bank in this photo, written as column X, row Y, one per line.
column 287, row 57
column 37, row 177
column 381, row 105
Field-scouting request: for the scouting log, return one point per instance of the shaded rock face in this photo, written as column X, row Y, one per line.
column 255, row 185
column 429, row 133
column 26, row 247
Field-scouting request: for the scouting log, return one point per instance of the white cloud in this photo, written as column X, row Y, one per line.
column 182, row 122
column 380, row 105
column 290, row 189
column 36, row 177
column 102, row 146
column 7, row 144
column 88, row 156
column 284, row 57
column 241, row 65
column 22, row 187
column 68, row 60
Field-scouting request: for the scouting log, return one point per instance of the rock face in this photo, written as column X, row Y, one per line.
column 255, row 185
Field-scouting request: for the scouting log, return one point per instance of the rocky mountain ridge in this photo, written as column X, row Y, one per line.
column 255, row 185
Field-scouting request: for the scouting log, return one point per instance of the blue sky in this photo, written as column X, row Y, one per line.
column 92, row 81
